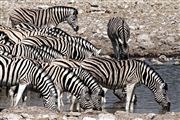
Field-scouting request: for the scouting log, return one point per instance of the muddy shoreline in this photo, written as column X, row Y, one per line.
column 40, row 113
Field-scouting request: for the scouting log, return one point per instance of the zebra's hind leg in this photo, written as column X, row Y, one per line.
column 20, row 92
column 24, row 98
column 129, row 97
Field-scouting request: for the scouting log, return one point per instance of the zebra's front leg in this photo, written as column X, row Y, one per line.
column 11, row 93
column 24, row 98
column 20, row 92
column 60, row 102
column 130, row 93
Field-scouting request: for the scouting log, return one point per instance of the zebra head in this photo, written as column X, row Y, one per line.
column 97, row 99
column 85, row 99
column 161, row 96
column 72, row 19
column 46, row 87
column 51, row 102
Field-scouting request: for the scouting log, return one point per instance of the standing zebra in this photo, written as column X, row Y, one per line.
column 24, row 72
column 31, row 30
column 61, row 45
column 119, row 33
column 51, row 16
column 114, row 74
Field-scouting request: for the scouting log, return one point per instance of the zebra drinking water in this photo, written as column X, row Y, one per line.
column 114, row 74
column 66, row 81
column 24, row 72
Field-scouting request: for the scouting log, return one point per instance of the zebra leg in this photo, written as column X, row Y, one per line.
column 20, row 92
column 73, row 104
column 59, row 99
column 24, row 98
column 11, row 94
column 104, row 98
column 130, row 91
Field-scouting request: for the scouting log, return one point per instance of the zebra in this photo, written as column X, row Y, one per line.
column 114, row 74
column 32, row 30
column 24, row 72
column 66, row 80
column 119, row 32
column 61, row 45
column 51, row 16
column 35, row 53
column 96, row 91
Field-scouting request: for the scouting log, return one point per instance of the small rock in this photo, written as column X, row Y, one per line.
column 12, row 117
column 88, row 118
column 138, row 119
column 151, row 115
column 106, row 116
column 155, row 61
column 145, row 41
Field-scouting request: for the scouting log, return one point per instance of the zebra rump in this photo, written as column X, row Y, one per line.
column 119, row 33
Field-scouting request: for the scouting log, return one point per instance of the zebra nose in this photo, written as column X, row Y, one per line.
column 76, row 28
column 167, row 107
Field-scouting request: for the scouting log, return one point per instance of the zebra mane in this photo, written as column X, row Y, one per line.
column 65, row 7
column 151, row 68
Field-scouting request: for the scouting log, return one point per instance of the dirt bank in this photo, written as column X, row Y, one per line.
column 40, row 113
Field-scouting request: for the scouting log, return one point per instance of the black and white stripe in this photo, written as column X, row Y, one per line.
column 24, row 72
column 96, row 91
column 59, row 33
column 114, row 74
column 51, row 16
column 61, row 45
column 67, row 81
column 119, row 34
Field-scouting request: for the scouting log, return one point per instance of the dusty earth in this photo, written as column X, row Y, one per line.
column 40, row 113
column 155, row 31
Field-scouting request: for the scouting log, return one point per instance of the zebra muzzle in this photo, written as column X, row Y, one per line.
column 167, row 108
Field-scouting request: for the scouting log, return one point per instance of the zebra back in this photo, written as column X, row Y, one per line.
column 35, row 53
column 14, row 35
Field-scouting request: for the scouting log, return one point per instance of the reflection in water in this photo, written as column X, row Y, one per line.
column 145, row 99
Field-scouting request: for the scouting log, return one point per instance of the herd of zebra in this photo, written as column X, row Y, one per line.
column 37, row 55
